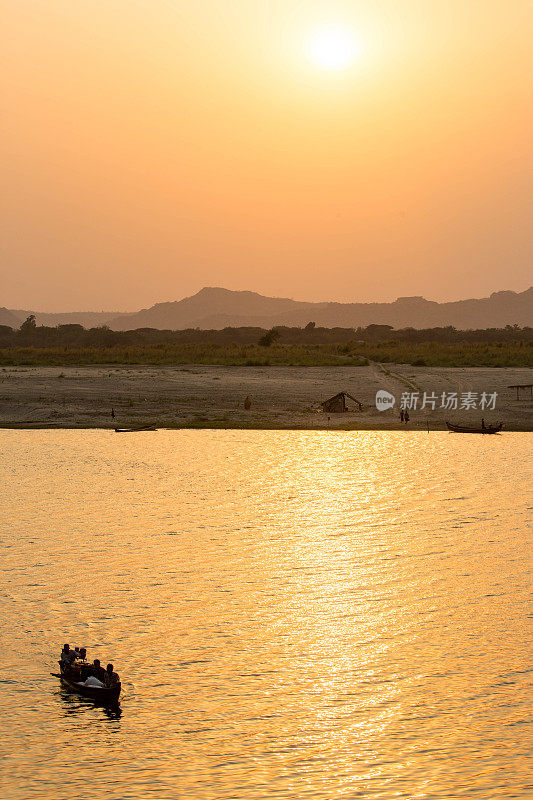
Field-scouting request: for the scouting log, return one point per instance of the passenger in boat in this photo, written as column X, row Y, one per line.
column 67, row 656
column 97, row 670
column 68, row 662
column 85, row 668
column 86, row 671
column 111, row 678
column 74, row 671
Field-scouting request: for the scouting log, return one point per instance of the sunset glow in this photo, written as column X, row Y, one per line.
column 342, row 151
column 332, row 48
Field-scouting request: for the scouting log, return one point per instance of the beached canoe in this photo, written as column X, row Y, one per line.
column 480, row 429
column 132, row 430
column 102, row 694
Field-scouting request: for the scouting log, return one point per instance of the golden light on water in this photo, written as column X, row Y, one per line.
column 316, row 606
column 332, row 48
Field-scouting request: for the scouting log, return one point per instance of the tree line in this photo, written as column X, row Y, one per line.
column 31, row 335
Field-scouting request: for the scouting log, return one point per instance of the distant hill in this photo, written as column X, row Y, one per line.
column 8, row 317
column 216, row 308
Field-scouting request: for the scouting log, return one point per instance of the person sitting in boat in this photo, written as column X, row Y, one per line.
column 86, row 671
column 111, row 678
column 74, row 671
column 97, row 670
column 67, row 656
column 83, row 654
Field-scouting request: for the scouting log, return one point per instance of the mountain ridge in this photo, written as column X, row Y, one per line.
column 216, row 308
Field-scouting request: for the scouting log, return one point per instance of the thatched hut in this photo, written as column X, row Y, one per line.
column 338, row 404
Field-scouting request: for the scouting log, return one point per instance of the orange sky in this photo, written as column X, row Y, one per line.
column 151, row 147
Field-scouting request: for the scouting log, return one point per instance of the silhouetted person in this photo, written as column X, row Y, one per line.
column 401, row 415
column 482, row 424
column 98, row 671
column 111, row 678
column 112, row 412
column 74, row 673
column 85, row 670
column 406, row 417
column 67, row 656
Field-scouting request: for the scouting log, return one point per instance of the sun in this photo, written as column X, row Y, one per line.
column 332, row 48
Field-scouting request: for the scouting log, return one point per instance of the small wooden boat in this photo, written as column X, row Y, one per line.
column 133, row 430
column 103, row 694
column 480, row 429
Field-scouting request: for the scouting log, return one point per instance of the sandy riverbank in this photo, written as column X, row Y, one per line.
column 281, row 397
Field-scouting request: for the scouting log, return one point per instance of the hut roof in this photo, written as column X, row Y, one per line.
column 341, row 396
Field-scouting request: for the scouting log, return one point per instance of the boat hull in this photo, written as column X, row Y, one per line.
column 465, row 429
column 103, row 695
column 134, row 430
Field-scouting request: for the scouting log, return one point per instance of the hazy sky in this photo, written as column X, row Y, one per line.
column 151, row 147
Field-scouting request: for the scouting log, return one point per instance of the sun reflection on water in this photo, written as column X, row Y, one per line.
column 294, row 614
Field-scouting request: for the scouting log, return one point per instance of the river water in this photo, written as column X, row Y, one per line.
column 293, row 614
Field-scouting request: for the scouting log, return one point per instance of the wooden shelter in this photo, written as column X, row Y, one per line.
column 338, row 403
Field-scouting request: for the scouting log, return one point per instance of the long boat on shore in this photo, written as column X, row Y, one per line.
column 479, row 429
column 104, row 694
column 133, row 430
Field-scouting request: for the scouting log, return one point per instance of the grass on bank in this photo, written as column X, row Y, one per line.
column 431, row 354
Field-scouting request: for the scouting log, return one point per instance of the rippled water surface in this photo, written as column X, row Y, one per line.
column 293, row 614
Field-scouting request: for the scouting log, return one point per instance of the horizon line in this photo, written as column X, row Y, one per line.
column 267, row 296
